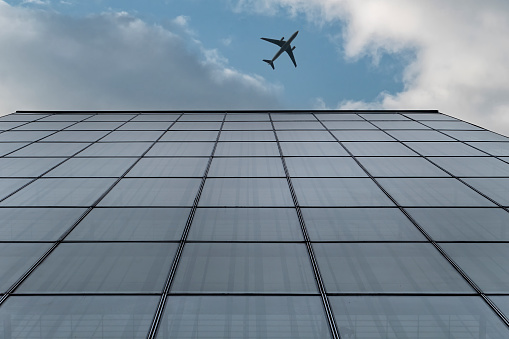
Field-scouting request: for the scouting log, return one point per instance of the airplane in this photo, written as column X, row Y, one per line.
column 285, row 47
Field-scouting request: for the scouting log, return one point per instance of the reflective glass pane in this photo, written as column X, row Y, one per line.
column 399, row 125
column 359, row 224
column 247, row 149
column 247, row 136
column 378, row 149
column 383, row 116
column 324, row 167
column 92, row 167
column 189, row 136
column 419, row 135
column 133, row 136
column 243, row 317
column 105, row 149
column 495, row 188
column 244, row 267
column 473, row 166
column 202, row 117
column 103, row 267
column 444, row 148
column 361, row 135
column 304, row 136
column 386, row 267
column 432, row 192
column 401, row 167
column 189, row 149
column 50, row 149
column 152, row 192
column 298, row 125
column 245, row 224
column 476, row 136
column 338, row 116
column 493, row 148
column 24, row 135
column 7, row 186
column 211, row 125
column 76, row 136
column 8, row 147
column 156, row 117
column 292, row 116
column 38, row 317
column 60, row 192
column 339, row 192
column 22, row 117
column 429, row 116
column 169, row 167
column 66, row 117
column 394, row 317
column 258, row 125
column 247, row 117
column 26, row 167
column 502, row 302
column 246, row 192
column 453, row 125
column 111, row 117
column 90, row 125
column 36, row 224
column 463, row 224
column 140, row 125
column 246, row 167
column 484, row 263
column 44, row 126
column 16, row 259
column 131, row 224
column 313, row 149
column 348, row 125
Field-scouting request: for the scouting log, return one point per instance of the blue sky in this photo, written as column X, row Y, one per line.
column 185, row 54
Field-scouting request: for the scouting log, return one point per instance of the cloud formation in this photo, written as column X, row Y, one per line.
column 115, row 61
column 461, row 52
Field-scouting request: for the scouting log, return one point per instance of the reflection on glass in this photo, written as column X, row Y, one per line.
column 399, row 125
column 26, row 167
column 10, row 136
column 8, row 147
column 444, row 148
column 473, row 166
column 304, row 136
column 169, row 167
column 348, row 125
column 246, row 167
column 75, row 136
column 378, row 148
column 92, row 167
column 401, row 167
column 419, row 135
column 176, row 149
column 247, row 136
column 133, row 136
column 116, row 149
column 324, row 167
column 50, row 149
column 383, row 116
column 451, row 125
column 239, row 149
column 495, row 188
column 184, row 136
column 494, row 148
column 7, row 186
column 282, row 125
column 44, row 126
column 90, row 125
column 330, row 149
column 476, row 135
column 140, row 125
column 361, row 135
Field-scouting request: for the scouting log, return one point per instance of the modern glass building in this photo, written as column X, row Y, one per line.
column 326, row 224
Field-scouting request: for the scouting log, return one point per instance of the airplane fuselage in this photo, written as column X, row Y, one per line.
column 285, row 46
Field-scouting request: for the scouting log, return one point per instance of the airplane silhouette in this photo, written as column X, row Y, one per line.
column 285, row 47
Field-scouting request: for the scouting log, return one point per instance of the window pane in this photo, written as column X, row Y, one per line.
column 247, row 149
column 401, row 167
column 23, row 135
column 66, row 117
column 246, row 167
column 247, row 117
column 463, row 224
column 338, row 116
column 291, row 116
column 137, row 125
column 26, row 167
column 476, row 136
column 258, row 125
column 36, row 224
column 189, row 136
column 44, row 126
column 75, row 136
column 8, row 147
column 419, row 135
column 7, row 186
column 245, row 224
column 432, row 192
column 378, row 148
column 339, row 192
column 297, row 125
column 429, row 116
column 50, row 149
column 246, row 267
column 181, row 149
column 202, row 117
column 348, row 125
column 211, row 125
column 133, row 136
column 313, row 149
column 246, row 192
column 386, row 267
column 496, row 188
column 22, row 117
column 90, row 125
column 92, row 167
column 169, row 167
column 247, row 136
column 156, row 117
column 111, row 117
column 38, row 317
column 383, row 116
column 359, row 224
column 362, row 135
column 118, row 149
column 452, row 125
column 493, row 148
column 485, row 264
column 152, row 192
column 416, row 317
column 304, row 136
column 502, row 302
column 103, row 267
column 243, row 317
column 444, row 148
column 474, row 166
column 131, row 224
column 60, row 192
column 324, row 167
column 399, row 125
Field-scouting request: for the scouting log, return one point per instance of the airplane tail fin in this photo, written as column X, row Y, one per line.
column 270, row 63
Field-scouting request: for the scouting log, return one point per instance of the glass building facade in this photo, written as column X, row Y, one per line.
column 252, row 224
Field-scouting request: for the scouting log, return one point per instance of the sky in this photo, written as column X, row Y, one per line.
column 448, row 55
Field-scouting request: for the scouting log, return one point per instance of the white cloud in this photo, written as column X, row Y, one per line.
column 461, row 51
column 115, row 61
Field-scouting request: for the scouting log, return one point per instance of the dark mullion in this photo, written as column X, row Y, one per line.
column 318, row 278
column 154, row 327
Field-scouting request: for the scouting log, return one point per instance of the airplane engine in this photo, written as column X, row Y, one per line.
column 282, row 38
column 293, row 48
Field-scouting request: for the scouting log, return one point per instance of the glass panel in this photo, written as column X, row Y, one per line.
column 59, row 192
column 75, row 136
column 26, row 167
column 378, row 148
column 247, row 149
column 196, row 125
column 298, row 125
column 338, row 116
column 22, row 117
column 401, row 167
column 246, row 167
column 8, row 147
column 116, row 149
column 131, row 224
column 386, row 267
column 359, row 224
column 16, row 259
column 244, row 267
column 313, row 149
column 353, row 135
column 502, row 302
column 485, row 264
column 419, row 135
column 429, row 116
column 92, row 167
column 103, row 267
column 7, row 186
column 258, row 125
column 181, row 149
column 432, row 192
column 111, row 117
column 494, row 148
column 152, row 192
column 95, row 126
column 189, row 136
column 304, row 136
column 452, row 125
column 245, row 224
column 38, row 317
column 23, row 135
column 169, row 167
column 66, row 117
column 247, row 136
column 496, row 189
column 243, row 317
column 156, row 117
column 50, row 149
column 444, row 148
column 463, row 224
column 247, row 117
column 394, row 317
column 339, row 192
column 36, row 224
column 246, row 192
column 324, row 167
column 154, row 126
column 476, row 136
column 399, row 125
column 348, row 125
column 44, row 126
column 383, row 116
column 202, row 117
column 133, row 136
column 473, row 167
column 292, row 116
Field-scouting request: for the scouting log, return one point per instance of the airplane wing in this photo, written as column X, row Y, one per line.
column 277, row 42
column 290, row 54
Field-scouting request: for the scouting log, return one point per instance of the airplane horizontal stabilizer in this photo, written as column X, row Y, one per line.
column 270, row 63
